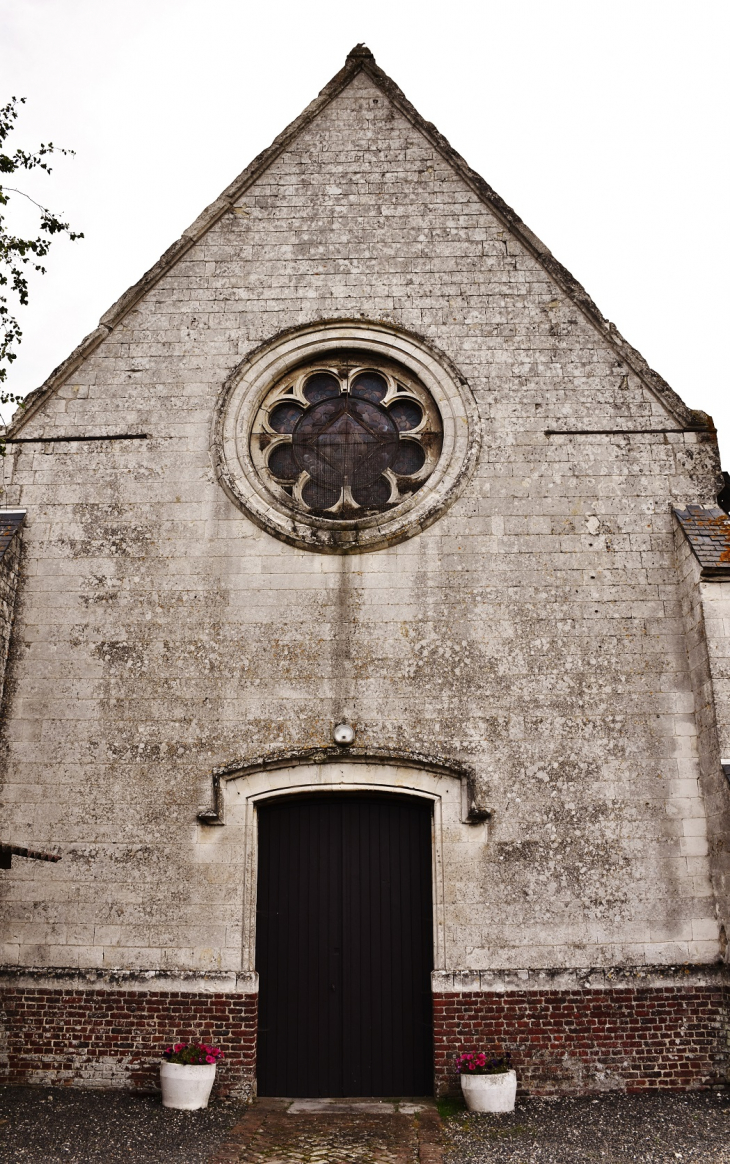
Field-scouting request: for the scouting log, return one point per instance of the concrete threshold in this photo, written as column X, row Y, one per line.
column 358, row 1106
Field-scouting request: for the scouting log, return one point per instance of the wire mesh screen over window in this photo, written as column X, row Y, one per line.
column 347, row 436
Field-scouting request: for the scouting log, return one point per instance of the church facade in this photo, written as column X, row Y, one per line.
column 366, row 610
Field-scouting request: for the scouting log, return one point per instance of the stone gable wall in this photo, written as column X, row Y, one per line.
column 534, row 632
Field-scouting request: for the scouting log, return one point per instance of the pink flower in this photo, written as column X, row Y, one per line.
column 178, row 1047
column 210, row 1058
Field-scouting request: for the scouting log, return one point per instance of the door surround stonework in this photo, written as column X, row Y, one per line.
column 444, row 790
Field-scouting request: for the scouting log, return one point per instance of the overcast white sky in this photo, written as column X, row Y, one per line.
column 604, row 124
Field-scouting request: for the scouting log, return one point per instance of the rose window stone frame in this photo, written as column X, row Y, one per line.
column 409, row 446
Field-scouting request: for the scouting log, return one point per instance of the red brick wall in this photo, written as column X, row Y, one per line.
column 570, row 1041
column 578, row 1041
column 114, row 1038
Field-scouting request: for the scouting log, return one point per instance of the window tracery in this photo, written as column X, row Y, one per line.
column 346, row 435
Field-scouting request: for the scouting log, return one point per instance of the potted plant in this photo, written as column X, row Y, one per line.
column 187, row 1074
column 487, row 1084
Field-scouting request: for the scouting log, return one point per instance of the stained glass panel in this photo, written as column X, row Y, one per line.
column 319, row 496
column 284, row 417
column 373, row 496
column 370, row 386
column 282, row 463
column 410, row 458
column 406, row 414
column 321, row 386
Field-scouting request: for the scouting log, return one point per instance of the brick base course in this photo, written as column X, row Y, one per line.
column 104, row 1038
column 582, row 1041
column 561, row 1040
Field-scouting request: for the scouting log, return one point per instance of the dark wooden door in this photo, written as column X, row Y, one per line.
column 344, row 946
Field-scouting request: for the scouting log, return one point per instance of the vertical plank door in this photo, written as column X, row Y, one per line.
column 344, row 946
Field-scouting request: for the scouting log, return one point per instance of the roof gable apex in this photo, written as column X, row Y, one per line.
column 361, row 59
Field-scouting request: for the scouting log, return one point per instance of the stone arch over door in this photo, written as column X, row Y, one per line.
column 454, row 821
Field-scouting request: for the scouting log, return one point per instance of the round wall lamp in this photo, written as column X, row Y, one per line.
column 343, row 734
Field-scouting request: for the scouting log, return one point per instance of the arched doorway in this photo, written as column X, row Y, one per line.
column 344, row 945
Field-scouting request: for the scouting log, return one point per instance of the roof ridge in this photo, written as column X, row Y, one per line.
column 361, row 59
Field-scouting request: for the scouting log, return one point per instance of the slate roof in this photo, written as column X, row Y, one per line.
column 707, row 528
column 10, row 522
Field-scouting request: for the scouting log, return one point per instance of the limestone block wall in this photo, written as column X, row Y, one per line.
column 534, row 632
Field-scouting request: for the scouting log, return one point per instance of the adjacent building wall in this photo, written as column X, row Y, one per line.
column 706, row 612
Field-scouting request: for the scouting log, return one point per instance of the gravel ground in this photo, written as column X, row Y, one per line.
column 43, row 1125
column 48, row 1125
column 615, row 1129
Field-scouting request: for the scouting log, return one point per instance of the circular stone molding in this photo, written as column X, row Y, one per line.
column 239, row 436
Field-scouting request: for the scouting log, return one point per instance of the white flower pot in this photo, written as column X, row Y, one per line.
column 186, row 1086
column 490, row 1092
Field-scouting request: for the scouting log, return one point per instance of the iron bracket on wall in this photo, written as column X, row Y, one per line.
column 7, row 852
column 472, row 811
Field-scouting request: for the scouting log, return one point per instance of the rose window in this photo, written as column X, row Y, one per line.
column 347, row 436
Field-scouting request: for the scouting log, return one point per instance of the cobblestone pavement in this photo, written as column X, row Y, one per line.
column 327, row 1132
